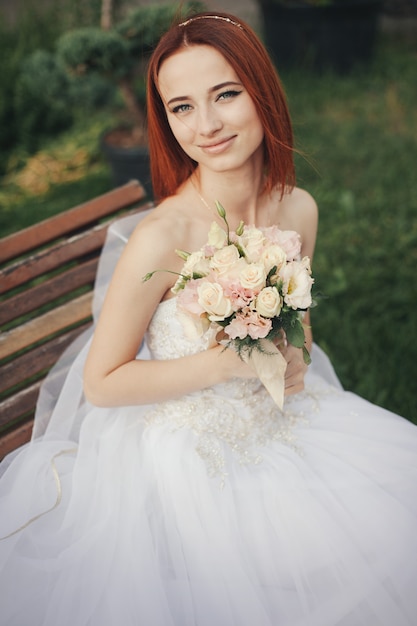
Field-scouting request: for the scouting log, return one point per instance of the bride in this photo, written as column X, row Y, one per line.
column 167, row 488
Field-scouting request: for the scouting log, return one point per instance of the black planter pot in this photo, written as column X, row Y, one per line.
column 127, row 163
column 335, row 37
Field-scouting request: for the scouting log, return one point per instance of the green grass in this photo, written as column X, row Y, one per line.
column 359, row 133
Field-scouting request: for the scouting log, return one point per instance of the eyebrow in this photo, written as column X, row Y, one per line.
column 228, row 83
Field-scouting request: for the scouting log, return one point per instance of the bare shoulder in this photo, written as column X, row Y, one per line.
column 160, row 232
column 302, row 203
column 300, row 213
column 150, row 248
column 160, row 221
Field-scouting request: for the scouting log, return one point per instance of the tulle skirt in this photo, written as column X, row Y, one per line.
column 210, row 510
column 318, row 530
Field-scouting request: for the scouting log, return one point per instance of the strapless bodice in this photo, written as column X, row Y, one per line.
column 239, row 412
column 166, row 338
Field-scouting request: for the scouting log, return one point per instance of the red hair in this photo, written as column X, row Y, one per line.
column 242, row 49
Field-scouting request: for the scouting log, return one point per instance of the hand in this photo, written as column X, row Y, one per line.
column 232, row 365
column 296, row 369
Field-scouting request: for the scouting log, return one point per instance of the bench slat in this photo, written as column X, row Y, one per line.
column 22, row 403
column 74, row 248
column 52, row 258
column 48, row 291
column 15, row 438
column 37, row 360
column 53, row 321
column 68, row 221
column 43, row 269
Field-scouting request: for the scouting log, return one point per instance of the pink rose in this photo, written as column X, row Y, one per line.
column 237, row 329
column 288, row 240
column 250, row 324
column 208, row 250
column 238, row 295
column 188, row 298
column 259, row 327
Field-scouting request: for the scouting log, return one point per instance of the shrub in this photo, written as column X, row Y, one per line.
column 41, row 99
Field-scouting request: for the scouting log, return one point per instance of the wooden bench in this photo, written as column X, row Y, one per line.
column 47, row 273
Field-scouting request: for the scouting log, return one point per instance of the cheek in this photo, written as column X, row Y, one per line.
column 249, row 119
column 182, row 132
column 256, row 124
column 257, row 130
column 255, row 134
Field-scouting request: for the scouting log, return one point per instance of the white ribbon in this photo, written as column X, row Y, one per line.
column 270, row 366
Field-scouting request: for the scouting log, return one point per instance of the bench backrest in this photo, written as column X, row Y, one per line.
column 47, row 273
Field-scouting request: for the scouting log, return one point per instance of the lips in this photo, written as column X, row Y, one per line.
column 217, row 146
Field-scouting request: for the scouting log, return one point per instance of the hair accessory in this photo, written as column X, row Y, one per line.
column 211, row 17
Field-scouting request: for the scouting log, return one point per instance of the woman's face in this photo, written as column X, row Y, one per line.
column 210, row 113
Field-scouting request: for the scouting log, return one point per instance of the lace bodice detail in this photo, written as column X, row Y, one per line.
column 166, row 338
column 237, row 416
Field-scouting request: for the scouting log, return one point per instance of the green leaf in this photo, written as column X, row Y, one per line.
column 295, row 333
column 306, row 356
column 271, row 273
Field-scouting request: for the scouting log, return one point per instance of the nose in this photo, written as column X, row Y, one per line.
column 209, row 122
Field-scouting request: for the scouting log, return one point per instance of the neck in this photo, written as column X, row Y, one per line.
column 241, row 196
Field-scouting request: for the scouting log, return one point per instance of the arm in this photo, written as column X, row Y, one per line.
column 113, row 376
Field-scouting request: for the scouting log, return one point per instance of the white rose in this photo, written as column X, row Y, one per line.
column 231, row 275
column 194, row 326
column 196, row 263
column 252, row 241
column 297, row 284
column 217, row 237
column 253, row 276
column 212, row 299
column 268, row 303
column 223, row 259
column 274, row 256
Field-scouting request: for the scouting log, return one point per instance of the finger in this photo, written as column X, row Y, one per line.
column 293, row 389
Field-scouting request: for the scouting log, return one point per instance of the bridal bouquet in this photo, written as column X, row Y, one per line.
column 252, row 285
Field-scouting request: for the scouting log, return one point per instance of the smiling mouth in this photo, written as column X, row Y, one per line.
column 218, row 146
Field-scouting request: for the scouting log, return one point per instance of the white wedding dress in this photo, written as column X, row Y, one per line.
column 214, row 509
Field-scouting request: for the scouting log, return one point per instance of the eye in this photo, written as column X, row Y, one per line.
column 227, row 95
column 181, row 108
